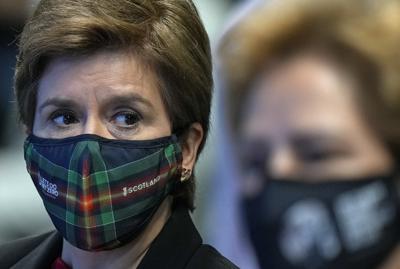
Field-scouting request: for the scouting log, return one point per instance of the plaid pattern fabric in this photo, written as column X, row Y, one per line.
column 98, row 192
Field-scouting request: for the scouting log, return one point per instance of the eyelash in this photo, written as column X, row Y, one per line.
column 320, row 155
column 66, row 113
column 127, row 125
column 137, row 117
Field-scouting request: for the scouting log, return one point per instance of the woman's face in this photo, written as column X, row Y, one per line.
column 110, row 94
column 301, row 123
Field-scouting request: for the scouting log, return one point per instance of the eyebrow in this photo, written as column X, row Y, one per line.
column 127, row 99
column 58, row 102
column 121, row 99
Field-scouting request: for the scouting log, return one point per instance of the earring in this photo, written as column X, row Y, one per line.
column 186, row 173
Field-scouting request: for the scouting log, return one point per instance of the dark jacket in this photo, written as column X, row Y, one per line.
column 178, row 245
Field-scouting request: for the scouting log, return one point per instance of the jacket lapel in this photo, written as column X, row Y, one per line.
column 175, row 245
column 43, row 255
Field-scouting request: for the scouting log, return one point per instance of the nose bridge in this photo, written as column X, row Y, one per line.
column 93, row 125
column 93, row 122
column 282, row 163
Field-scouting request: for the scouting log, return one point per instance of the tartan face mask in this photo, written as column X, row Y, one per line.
column 101, row 193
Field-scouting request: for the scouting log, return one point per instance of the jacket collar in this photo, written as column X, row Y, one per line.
column 173, row 247
column 176, row 243
column 44, row 254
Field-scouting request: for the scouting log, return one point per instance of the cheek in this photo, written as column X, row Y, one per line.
column 163, row 129
column 164, row 126
column 158, row 128
column 37, row 125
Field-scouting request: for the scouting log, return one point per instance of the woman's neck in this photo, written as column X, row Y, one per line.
column 128, row 256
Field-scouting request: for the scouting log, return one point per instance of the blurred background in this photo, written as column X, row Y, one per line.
column 21, row 210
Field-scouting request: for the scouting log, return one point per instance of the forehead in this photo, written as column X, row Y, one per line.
column 103, row 73
column 306, row 93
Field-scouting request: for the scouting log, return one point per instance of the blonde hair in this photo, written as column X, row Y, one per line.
column 367, row 32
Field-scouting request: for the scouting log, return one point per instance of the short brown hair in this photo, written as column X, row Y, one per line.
column 166, row 34
column 362, row 37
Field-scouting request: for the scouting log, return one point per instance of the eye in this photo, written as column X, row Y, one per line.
column 316, row 149
column 253, row 163
column 126, row 119
column 63, row 118
column 254, row 158
column 315, row 154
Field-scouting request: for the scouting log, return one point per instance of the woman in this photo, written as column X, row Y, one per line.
column 115, row 96
column 314, row 107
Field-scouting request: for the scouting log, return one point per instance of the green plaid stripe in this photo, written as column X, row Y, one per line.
column 102, row 218
column 105, row 201
column 47, row 166
column 109, row 212
column 114, row 174
column 109, row 218
column 71, row 202
column 101, row 180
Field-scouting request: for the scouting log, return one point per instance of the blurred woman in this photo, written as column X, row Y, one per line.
column 115, row 96
column 313, row 97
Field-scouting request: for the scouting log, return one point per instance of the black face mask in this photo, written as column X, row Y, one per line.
column 335, row 225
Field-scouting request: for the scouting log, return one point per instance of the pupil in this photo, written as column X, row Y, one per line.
column 68, row 119
column 130, row 119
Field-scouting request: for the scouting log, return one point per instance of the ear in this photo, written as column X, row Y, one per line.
column 190, row 145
